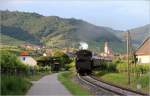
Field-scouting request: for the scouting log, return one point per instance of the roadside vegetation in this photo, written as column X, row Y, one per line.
column 16, row 76
column 117, row 73
column 66, row 78
column 14, row 85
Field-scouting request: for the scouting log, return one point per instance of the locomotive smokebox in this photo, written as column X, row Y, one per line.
column 84, row 62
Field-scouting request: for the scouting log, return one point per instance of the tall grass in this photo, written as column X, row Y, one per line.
column 144, row 80
column 122, row 80
column 15, row 75
column 14, row 85
column 11, row 71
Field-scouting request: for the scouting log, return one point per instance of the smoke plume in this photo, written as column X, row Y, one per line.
column 83, row 45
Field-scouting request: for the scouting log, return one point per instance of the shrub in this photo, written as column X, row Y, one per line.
column 11, row 64
column 122, row 67
column 69, row 66
column 140, row 68
column 64, row 58
column 44, row 69
column 13, row 85
column 108, row 66
column 111, row 67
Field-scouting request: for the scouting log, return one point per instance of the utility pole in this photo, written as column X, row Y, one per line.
column 132, row 54
column 128, row 49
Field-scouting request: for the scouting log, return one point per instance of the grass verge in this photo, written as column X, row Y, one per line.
column 17, row 85
column 14, row 85
column 66, row 79
column 122, row 80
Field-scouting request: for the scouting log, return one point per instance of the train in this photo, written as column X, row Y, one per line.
column 85, row 62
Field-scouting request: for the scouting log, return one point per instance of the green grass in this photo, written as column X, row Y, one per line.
column 75, row 89
column 37, row 76
column 122, row 80
column 115, row 77
column 14, row 85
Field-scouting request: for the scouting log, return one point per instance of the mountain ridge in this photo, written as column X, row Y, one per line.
column 56, row 31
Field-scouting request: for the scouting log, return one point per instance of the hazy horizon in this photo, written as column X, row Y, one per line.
column 119, row 15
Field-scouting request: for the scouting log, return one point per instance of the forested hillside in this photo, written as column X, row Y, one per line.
column 54, row 31
column 138, row 35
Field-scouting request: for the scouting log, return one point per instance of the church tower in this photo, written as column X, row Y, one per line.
column 106, row 48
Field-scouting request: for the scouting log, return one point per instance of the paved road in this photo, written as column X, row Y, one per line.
column 48, row 86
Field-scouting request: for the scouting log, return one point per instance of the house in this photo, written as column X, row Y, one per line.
column 143, row 52
column 26, row 59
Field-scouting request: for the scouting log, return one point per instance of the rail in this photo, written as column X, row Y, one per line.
column 92, row 81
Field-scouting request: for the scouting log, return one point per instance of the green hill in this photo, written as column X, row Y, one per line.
column 138, row 35
column 55, row 31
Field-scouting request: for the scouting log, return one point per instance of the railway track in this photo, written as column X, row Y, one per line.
column 91, row 81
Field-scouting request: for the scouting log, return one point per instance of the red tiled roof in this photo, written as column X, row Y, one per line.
column 24, row 53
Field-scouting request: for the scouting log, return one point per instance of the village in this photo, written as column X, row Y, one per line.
column 142, row 52
column 75, row 48
column 45, row 60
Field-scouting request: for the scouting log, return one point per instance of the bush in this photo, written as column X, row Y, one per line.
column 108, row 66
column 69, row 66
column 111, row 67
column 122, row 67
column 140, row 68
column 11, row 64
column 13, row 85
column 64, row 58
column 44, row 69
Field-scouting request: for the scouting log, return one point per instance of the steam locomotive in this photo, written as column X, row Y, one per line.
column 86, row 62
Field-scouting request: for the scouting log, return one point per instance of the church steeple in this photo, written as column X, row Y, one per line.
column 107, row 50
column 108, row 53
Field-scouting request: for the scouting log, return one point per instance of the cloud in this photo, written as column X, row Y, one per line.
column 17, row 1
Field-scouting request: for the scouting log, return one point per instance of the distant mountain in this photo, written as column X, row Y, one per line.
column 138, row 35
column 54, row 31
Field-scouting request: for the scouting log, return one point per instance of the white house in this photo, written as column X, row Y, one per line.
column 143, row 52
column 26, row 59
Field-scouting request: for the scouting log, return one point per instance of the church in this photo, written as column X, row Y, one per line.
column 108, row 53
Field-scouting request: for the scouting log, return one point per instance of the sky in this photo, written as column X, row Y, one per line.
column 117, row 14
